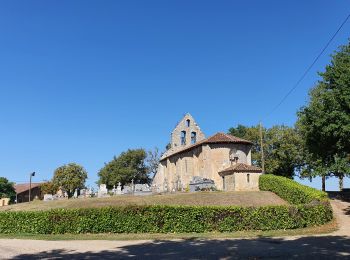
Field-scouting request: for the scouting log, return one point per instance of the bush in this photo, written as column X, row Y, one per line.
column 163, row 219
column 313, row 205
column 309, row 207
column 290, row 190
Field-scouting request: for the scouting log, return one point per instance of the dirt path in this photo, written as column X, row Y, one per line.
column 328, row 246
column 341, row 211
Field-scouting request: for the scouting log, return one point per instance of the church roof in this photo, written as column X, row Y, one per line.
column 240, row 167
column 226, row 138
column 218, row 138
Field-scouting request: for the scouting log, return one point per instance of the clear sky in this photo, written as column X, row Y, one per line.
column 82, row 81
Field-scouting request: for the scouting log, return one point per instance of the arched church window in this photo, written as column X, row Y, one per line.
column 183, row 137
column 188, row 123
column 193, row 137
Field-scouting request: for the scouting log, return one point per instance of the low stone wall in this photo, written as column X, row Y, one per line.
column 4, row 202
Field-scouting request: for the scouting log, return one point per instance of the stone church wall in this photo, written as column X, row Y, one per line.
column 187, row 125
column 205, row 161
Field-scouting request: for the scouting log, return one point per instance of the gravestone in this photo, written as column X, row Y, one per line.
column 48, row 197
column 83, row 193
column 198, row 183
column 119, row 189
column 75, row 195
column 142, row 189
column 127, row 189
column 102, row 191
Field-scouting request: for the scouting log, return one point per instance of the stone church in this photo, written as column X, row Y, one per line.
column 223, row 158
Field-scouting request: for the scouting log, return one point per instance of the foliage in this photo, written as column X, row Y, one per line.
column 70, row 177
column 290, row 190
column 127, row 166
column 250, row 134
column 48, row 188
column 311, row 209
column 324, row 122
column 152, row 160
column 163, row 219
column 7, row 189
column 282, row 148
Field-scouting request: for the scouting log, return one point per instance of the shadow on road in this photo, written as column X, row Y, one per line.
column 339, row 195
column 342, row 196
column 347, row 211
column 326, row 247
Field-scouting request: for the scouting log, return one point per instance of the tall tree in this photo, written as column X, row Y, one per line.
column 153, row 157
column 283, row 151
column 128, row 166
column 48, row 187
column 70, row 177
column 7, row 189
column 250, row 133
column 325, row 121
column 282, row 148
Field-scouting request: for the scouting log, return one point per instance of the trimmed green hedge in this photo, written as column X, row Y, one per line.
column 290, row 190
column 309, row 208
column 163, row 219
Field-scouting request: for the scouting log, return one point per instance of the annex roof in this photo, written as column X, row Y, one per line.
column 240, row 167
column 214, row 139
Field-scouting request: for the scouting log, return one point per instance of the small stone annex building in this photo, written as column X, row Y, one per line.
column 223, row 158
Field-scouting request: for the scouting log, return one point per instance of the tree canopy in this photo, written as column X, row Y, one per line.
column 7, row 189
column 282, row 148
column 324, row 122
column 128, row 166
column 48, row 187
column 70, row 177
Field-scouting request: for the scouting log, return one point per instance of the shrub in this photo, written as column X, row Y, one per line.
column 163, row 219
column 309, row 207
column 290, row 190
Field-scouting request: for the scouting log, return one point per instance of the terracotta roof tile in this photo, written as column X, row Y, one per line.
column 241, row 167
column 217, row 138
column 226, row 138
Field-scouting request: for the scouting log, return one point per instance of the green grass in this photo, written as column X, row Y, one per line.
column 244, row 198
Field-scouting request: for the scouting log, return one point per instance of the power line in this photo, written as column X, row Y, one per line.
column 308, row 69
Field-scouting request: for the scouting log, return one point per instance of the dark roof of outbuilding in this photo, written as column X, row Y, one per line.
column 240, row 167
column 19, row 188
column 218, row 138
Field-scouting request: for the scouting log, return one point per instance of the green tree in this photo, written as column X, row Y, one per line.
column 48, row 187
column 282, row 148
column 325, row 121
column 7, row 189
column 284, row 151
column 70, row 177
column 129, row 165
column 250, row 133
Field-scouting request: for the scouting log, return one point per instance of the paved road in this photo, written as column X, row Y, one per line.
column 329, row 246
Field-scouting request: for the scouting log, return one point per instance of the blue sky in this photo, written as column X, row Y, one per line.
column 82, row 81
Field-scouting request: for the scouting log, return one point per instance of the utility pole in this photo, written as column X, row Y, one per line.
column 262, row 149
column 30, row 184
